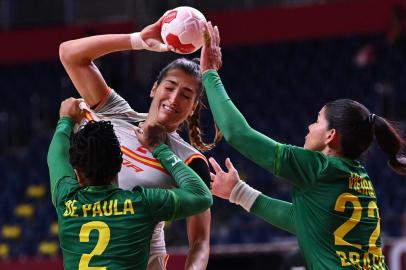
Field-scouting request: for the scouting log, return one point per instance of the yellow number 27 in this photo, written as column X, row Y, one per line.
column 102, row 242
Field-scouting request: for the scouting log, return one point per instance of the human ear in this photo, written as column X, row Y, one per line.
column 153, row 90
column 79, row 177
column 332, row 137
column 194, row 108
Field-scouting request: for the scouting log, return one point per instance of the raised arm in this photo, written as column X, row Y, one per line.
column 231, row 122
column 77, row 57
column 58, row 153
column 237, row 132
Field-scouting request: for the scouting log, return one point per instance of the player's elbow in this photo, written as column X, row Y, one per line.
column 203, row 202
column 207, row 201
column 64, row 52
column 69, row 53
column 235, row 134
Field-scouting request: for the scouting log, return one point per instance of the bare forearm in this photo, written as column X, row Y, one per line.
column 198, row 256
column 77, row 58
column 86, row 49
column 198, row 228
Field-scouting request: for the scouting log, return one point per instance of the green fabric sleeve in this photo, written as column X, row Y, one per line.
column 252, row 144
column 58, row 155
column 276, row 212
column 298, row 166
column 192, row 195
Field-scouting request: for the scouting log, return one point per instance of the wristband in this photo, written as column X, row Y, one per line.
column 244, row 195
column 137, row 43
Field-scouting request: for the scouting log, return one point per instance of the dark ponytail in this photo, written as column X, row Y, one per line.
column 391, row 143
column 357, row 127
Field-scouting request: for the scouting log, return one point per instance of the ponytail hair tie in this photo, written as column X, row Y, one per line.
column 371, row 118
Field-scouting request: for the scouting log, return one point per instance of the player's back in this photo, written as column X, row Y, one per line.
column 105, row 226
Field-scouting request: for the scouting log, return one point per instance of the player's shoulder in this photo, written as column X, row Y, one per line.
column 65, row 189
column 184, row 150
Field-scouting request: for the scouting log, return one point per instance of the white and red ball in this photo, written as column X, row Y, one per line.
column 182, row 29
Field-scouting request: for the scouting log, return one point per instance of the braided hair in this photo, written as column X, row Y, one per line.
column 191, row 67
column 95, row 152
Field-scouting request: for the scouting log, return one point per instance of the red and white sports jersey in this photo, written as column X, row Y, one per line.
column 140, row 168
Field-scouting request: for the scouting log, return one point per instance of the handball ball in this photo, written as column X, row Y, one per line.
column 181, row 28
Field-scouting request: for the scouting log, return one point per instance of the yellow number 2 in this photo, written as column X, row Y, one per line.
column 355, row 218
column 351, row 222
column 375, row 234
column 102, row 242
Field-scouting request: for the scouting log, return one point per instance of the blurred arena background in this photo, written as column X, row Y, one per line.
column 283, row 59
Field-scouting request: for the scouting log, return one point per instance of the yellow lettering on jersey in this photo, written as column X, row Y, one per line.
column 128, row 207
column 351, row 181
column 108, row 212
column 343, row 258
column 378, row 261
column 361, row 185
column 116, row 211
column 363, row 261
column 354, row 258
column 86, row 208
column 70, row 209
column 100, row 208
column 97, row 209
column 367, row 262
column 67, row 209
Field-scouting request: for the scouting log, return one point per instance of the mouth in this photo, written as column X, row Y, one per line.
column 169, row 109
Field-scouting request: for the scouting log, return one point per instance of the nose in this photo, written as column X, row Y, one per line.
column 174, row 97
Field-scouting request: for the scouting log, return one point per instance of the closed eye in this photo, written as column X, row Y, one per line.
column 187, row 96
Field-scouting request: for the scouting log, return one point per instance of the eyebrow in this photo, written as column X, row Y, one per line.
column 175, row 83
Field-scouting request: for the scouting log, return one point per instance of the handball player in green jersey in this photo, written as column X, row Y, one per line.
column 334, row 211
column 100, row 225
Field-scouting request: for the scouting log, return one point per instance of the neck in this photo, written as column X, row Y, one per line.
column 331, row 152
column 167, row 128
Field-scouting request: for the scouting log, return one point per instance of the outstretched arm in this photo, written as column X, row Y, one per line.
column 227, row 185
column 77, row 57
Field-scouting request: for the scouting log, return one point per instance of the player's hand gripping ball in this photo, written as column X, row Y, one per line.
column 182, row 28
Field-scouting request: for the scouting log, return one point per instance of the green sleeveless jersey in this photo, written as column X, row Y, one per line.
column 105, row 227
column 334, row 212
